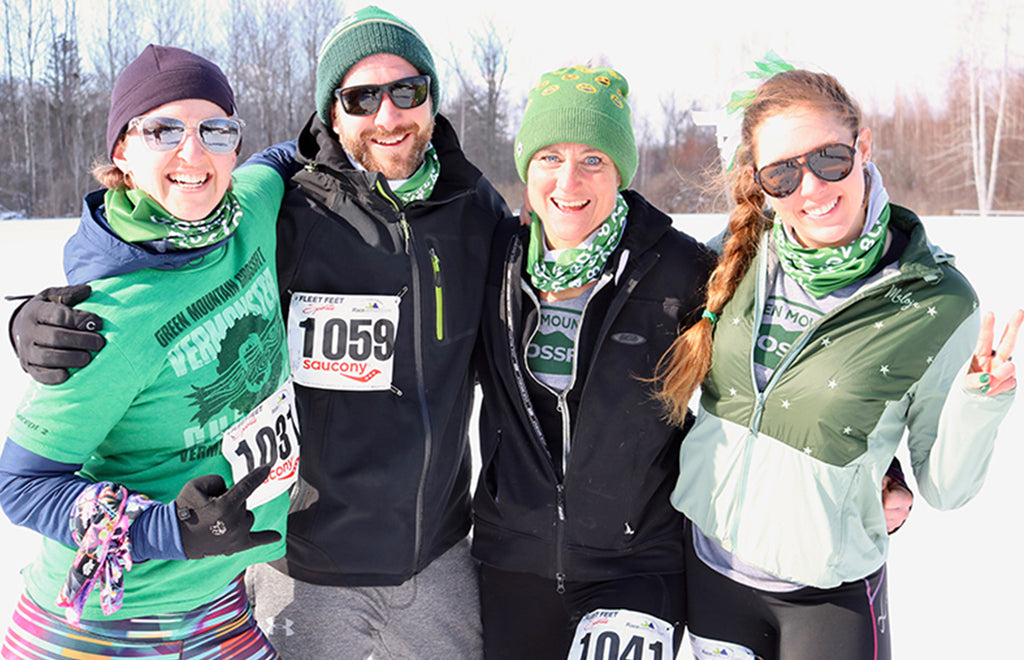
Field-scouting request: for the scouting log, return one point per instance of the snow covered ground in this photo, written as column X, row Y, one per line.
column 955, row 581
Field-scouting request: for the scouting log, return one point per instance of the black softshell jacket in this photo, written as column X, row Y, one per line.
column 608, row 514
column 385, row 475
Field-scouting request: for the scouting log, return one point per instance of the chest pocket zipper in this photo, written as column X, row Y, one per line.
column 435, row 263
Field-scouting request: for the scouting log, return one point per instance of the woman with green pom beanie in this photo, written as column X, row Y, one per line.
column 572, row 524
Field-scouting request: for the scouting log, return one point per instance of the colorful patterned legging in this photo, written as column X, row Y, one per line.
column 224, row 628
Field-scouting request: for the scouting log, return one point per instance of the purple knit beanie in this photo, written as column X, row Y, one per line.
column 162, row 74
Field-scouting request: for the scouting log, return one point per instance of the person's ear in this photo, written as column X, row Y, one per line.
column 118, row 156
column 864, row 144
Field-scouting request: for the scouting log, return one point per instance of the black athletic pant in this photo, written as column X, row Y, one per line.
column 524, row 616
column 848, row 622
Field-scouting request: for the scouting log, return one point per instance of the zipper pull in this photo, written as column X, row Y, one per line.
column 405, row 231
column 435, row 261
column 560, row 582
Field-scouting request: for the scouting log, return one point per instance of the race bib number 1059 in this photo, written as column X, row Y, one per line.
column 342, row 342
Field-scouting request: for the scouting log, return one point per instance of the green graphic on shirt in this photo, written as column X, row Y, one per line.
column 249, row 369
column 211, row 301
column 782, row 323
column 551, row 351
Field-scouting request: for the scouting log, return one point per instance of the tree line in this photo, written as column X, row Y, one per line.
column 55, row 90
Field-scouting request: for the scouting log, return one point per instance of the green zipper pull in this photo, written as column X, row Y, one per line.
column 435, row 262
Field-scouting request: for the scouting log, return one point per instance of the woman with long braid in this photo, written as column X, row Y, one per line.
column 836, row 328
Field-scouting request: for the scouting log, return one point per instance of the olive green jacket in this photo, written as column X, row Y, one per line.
column 789, row 478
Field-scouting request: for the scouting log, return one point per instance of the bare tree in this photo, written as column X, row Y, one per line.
column 65, row 86
column 262, row 66
column 118, row 42
column 679, row 168
column 985, row 168
column 316, row 19
column 29, row 19
column 182, row 23
column 479, row 108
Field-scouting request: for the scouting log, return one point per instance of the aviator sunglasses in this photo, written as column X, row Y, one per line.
column 831, row 162
column 365, row 99
column 218, row 135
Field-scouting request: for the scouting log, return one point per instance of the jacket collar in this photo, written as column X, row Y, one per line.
column 95, row 251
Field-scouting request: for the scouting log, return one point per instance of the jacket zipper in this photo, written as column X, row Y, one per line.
column 435, row 262
column 560, row 539
column 562, row 407
column 417, row 329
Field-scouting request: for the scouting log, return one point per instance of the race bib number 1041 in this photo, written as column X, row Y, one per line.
column 342, row 342
column 622, row 635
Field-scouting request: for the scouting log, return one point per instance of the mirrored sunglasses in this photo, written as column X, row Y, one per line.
column 363, row 100
column 831, row 162
column 218, row 135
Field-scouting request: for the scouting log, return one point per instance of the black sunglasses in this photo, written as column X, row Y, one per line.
column 365, row 99
column 831, row 162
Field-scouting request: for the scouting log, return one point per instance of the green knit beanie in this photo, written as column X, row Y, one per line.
column 369, row 31
column 582, row 105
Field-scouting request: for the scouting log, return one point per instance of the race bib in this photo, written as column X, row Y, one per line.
column 622, row 635
column 342, row 342
column 268, row 435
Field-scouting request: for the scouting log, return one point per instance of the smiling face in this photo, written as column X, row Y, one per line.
column 188, row 181
column 391, row 141
column 820, row 213
column 572, row 188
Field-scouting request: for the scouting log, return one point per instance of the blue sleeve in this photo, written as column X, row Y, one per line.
column 39, row 493
column 281, row 157
column 155, row 534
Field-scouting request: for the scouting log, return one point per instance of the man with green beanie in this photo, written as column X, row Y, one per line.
column 382, row 252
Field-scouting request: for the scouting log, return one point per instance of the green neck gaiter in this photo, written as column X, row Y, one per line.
column 136, row 218
column 820, row 271
column 421, row 184
column 574, row 266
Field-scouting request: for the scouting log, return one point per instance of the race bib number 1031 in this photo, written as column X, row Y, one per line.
column 342, row 342
column 268, row 435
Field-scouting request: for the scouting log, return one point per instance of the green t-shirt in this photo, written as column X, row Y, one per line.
column 189, row 352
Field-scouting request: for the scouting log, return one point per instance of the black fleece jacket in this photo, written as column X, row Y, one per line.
column 609, row 515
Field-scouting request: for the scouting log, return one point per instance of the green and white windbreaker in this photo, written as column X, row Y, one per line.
column 789, row 478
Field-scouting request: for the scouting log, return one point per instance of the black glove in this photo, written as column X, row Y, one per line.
column 50, row 337
column 214, row 521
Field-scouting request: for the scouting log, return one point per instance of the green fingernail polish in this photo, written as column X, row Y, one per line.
column 984, row 388
column 984, row 377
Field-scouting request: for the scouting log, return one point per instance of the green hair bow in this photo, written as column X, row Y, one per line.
column 766, row 68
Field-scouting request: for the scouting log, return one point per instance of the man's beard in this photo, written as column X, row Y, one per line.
column 402, row 167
